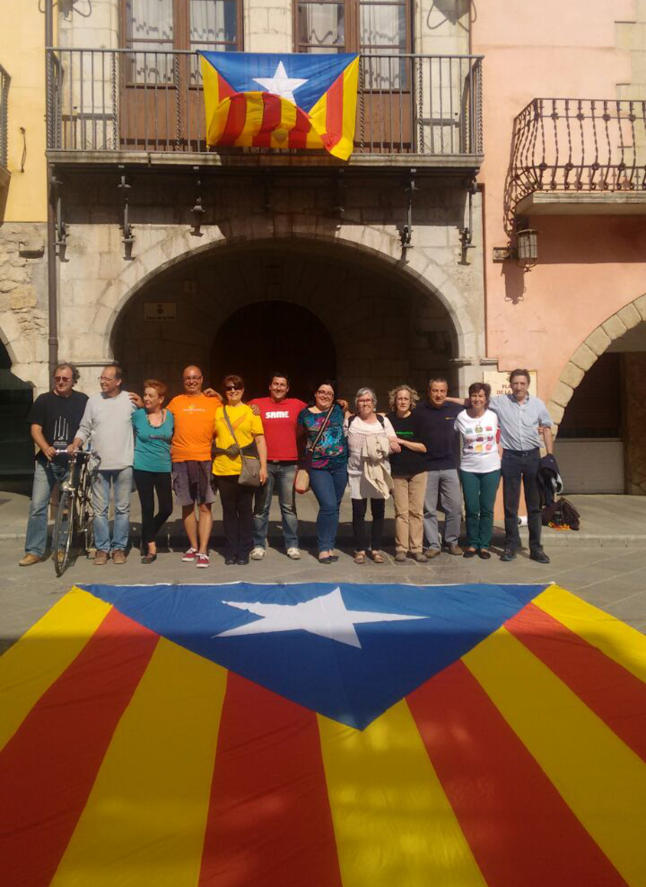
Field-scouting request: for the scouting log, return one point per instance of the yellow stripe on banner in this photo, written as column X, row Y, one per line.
column 345, row 145
column 211, row 99
column 618, row 641
column 601, row 779
column 145, row 819
column 253, row 119
column 42, row 654
column 279, row 137
column 392, row 820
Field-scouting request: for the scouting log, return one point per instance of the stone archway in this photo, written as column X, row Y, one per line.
column 596, row 344
column 385, row 326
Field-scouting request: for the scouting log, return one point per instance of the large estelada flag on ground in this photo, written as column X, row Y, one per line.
column 271, row 100
column 323, row 736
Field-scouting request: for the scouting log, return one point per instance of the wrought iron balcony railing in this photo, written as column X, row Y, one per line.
column 572, row 145
column 4, row 101
column 106, row 100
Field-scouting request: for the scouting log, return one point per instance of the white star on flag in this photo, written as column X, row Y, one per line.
column 326, row 616
column 280, row 84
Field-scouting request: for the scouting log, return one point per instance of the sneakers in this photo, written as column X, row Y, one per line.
column 400, row 557
column 29, row 559
column 100, row 558
column 201, row 560
column 419, row 558
column 118, row 556
column 258, row 553
column 454, row 548
column 432, row 552
column 189, row 556
column 292, row 553
column 539, row 556
column 508, row 554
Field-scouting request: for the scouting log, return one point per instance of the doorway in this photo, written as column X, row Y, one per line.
column 269, row 336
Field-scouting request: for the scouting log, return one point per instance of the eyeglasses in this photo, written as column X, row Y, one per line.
column 62, row 378
column 233, row 387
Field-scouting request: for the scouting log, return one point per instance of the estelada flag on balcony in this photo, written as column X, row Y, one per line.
column 333, row 735
column 271, row 100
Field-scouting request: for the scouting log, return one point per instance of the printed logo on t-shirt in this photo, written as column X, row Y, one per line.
column 277, row 414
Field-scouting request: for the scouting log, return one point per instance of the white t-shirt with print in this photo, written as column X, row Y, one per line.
column 479, row 445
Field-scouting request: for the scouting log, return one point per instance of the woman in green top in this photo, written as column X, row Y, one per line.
column 153, row 427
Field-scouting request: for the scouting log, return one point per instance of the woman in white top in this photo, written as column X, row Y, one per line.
column 371, row 438
column 479, row 468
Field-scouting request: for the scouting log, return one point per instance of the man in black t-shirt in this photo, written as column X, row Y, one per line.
column 443, row 484
column 54, row 419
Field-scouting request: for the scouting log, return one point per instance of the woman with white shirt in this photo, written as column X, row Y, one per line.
column 479, row 468
column 371, row 438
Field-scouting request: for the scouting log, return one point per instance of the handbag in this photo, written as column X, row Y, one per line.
column 302, row 477
column 250, row 467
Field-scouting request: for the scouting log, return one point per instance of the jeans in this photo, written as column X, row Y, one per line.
column 443, row 486
column 237, row 515
column 479, row 498
column 517, row 465
column 45, row 476
column 120, row 479
column 148, row 483
column 328, row 485
column 280, row 474
column 364, row 540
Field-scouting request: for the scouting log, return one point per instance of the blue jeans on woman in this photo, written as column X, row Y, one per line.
column 328, row 485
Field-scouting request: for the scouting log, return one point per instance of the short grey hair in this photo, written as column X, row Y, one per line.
column 66, row 365
column 362, row 392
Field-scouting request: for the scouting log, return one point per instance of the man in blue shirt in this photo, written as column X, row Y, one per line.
column 522, row 419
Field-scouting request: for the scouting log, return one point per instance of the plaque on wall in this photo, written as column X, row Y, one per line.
column 160, row 310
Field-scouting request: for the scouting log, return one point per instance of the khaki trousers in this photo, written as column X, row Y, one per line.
column 408, row 496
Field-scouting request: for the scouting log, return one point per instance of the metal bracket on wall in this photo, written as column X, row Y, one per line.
column 339, row 208
column 406, row 231
column 266, row 191
column 466, row 233
column 60, row 228
column 197, row 209
column 128, row 237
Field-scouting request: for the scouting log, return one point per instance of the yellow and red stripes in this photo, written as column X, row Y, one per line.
column 260, row 119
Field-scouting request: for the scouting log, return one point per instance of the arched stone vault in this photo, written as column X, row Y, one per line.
column 591, row 349
column 158, row 248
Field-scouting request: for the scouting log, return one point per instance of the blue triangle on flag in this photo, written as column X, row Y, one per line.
column 351, row 673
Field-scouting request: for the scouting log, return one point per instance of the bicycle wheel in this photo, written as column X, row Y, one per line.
column 63, row 532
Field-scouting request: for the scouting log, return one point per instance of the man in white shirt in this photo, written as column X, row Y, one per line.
column 108, row 421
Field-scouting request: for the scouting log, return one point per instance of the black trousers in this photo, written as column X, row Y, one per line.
column 148, row 483
column 237, row 515
column 520, row 465
column 365, row 540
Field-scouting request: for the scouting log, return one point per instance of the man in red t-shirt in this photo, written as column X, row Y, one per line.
column 279, row 414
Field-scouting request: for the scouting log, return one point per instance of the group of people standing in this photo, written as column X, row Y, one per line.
column 424, row 453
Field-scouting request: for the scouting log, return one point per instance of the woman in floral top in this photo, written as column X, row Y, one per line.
column 327, row 463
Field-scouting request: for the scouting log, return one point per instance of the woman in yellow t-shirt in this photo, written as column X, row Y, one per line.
column 237, row 498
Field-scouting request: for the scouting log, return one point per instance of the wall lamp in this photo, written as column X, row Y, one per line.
column 525, row 252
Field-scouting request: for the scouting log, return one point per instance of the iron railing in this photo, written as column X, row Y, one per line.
column 112, row 100
column 576, row 145
column 5, row 79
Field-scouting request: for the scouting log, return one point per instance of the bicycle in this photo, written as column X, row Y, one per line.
column 75, row 516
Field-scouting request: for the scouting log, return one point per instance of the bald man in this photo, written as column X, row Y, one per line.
column 194, row 415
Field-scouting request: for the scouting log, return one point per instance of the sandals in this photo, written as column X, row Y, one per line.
column 359, row 557
column 377, row 557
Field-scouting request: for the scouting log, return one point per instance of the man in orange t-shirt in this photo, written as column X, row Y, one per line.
column 190, row 451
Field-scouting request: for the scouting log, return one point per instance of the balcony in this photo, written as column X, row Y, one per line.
column 577, row 156
column 4, row 172
column 117, row 106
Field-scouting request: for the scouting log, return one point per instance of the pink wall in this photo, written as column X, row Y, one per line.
column 589, row 266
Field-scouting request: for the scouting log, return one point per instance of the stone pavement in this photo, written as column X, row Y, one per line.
column 604, row 563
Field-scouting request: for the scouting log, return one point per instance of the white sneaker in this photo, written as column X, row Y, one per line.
column 294, row 553
column 258, row 553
